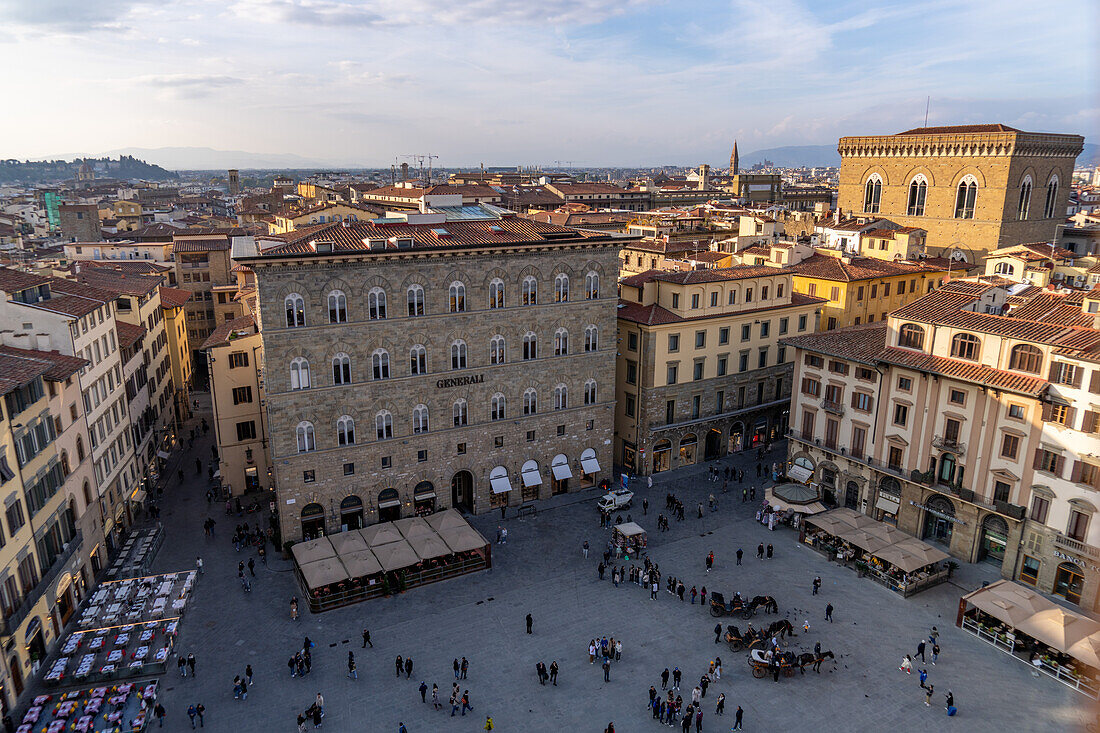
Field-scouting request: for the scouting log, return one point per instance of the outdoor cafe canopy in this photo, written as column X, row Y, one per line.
column 1030, row 613
column 881, row 540
column 323, row 572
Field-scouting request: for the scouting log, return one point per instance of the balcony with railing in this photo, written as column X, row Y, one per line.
column 949, row 444
column 1081, row 548
column 832, row 406
column 11, row 623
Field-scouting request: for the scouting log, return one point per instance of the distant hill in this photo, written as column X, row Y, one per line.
column 794, row 156
column 199, row 158
column 1090, row 156
column 52, row 171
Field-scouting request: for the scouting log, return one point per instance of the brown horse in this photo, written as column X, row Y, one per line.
column 782, row 628
column 767, row 603
column 810, row 658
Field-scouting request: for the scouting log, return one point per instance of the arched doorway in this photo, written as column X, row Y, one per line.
column 760, row 432
column 712, row 446
column 1069, row 582
column 389, row 505
column 531, row 477
column 688, row 444
column 424, row 498
column 994, row 540
column 462, row 491
column 946, row 473
column 662, row 456
column 36, row 646
column 16, row 676
column 560, row 474
column 851, row 495
column 737, row 437
column 351, row 513
column 589, row 468
column 313, row 521
column 939, row 515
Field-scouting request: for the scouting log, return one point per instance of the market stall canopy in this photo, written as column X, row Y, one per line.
column 313, row 550
column 1025, row 610
column 829, row 522
column 795, row 493
column 411, row 527
column 889, row 534
column 919, row 554
column 630, row 528
column 463, row 539
column 395, row 555
column 344, row 542
column 866, row 541
column 448, row 519
column 430, row 546
column 800, row 473
column 323, row 572
column 360, row 563
column 380, row 534
column 853, row 518
column 813, row 507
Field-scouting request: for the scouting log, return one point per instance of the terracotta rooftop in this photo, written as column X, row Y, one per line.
column 199, row 244
column 586, row 189
column 660, row 246
column 129, row 334
column 1054, row 308
column 857, row 343
column 641, row 278
column 965, row 370
column 12, row 281
column 120, row 282
column 655, row 315
column 59, row 367
column 1034, row 252
column 173, row 297
column 723, row 274
column 137, row 267
column 958, row 129
column 826, row 267
column 221, row 333
column 16, row 371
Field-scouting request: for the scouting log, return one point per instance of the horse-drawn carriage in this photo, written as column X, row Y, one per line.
column 754, row 637
column 764, row 662
column 738, row 605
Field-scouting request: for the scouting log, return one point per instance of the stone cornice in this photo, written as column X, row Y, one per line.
column 998, row 144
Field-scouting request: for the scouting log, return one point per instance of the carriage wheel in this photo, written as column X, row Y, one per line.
column 736, row 646
column 759, row 672
column 715, row 611
column 746, row 614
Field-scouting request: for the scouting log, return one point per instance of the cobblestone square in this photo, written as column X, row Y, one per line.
column 541, row 571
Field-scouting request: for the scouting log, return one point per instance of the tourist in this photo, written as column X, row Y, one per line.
column 928, row 695
column 435, row 697
column 200, row 709
column 920, row 650
column 760, row 551
column 366, row 639
column 737, row 718
column 829, row 612
column 720, row 708
column 160, row 712
column 530, row 622
column 352, row 672
column 423, row 690
column 584, row 549
column 769, row 552
column 191, row 664
column 817, row 584
column 950, row 702
column 606, row 670
column 676, row 674
column 554, row 673
column 464, row 666
column 408, row 667
column 399, row 665
column 907, row 665
column 664, row 679
column 466, row 702
column 710, row 560
column 191, row 713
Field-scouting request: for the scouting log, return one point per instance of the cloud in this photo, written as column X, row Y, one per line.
column 187, row 86
column 67, row 16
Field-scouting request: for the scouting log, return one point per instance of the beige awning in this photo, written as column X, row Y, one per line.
column 500, row 484
column 388, row 503
column 395, row 555
column 561, row 471
column 590, row 465
column 531, row 477
column 630, row 529
column 380, row 534
column 463, row 539
column 343, row 542
column 887, row 505
column 429, row 546
column 411, row 527
column 323, row 572
column 799, row 473
column 318, row 549
column 360, row 563
column 814, row 507
column 447, row 519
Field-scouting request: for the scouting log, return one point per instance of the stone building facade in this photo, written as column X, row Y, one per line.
column 456, row 363
column 974, row 187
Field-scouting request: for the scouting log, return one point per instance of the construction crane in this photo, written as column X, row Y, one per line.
column 419, row 158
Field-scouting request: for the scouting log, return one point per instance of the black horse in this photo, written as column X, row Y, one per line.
column 767, row 603
column 737, row 642
column 809, row 658
column 782, row 628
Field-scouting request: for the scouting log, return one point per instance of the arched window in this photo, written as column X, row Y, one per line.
column 418, row 360
column 1026, row 358
column 87, row 495
column 965, row 195
column 872, row 194
column 79, row 449
column 415, row 300
column 530, row 345
column 496, row 350
column 918, row 191
column 345, row 430
column 458, row 412
column 295, row 310
column 65, row 469
column 530, row 291
column 561, row 342
column 1052, row 198
column 530, row 402
column 911, row 336
column 306, row 441
column 383, row 425
column 561, row 397
column 966, row 346
column 420, row 419
column 497, row 407
column 591, row 286
column 376, row 304
column 458, row 354
column 380, row 363
column 496, row 293
column 457, row 293
column 1025, row 199
column 590, row 392
column 561, row 288
column 337, row 307
column 591, row 338
column 341, row 369
column 299, row 373
column 1004, row 268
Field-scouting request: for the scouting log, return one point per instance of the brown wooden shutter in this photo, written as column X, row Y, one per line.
column 1038, row 462
column 1047, row 409
column 1075, row 472
column 1054, row 369
column 1078, row 373
column 855, row 398
column 1094, row 384
column 1088, row 424
column 1071, row 415
column 1059, row 466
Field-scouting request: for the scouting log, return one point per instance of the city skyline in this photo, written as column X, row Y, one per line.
column 639, row 83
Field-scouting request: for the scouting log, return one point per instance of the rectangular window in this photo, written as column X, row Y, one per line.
column 724, row 335
column 957, row 397
column 1048, row 461
column 714, row 299
column 670, row 412
column 811, row 387
column 349, row 469
column 696, row 401
column 781, row 355
column 700, row 339
column 808, row 425
column 694, row 300
column 838, row 367
column 905, row 384
column 1016, row 412
column 874, row 291
column 812, row 289
column 387, row 461
column 719, row 402
column 802, row 323
column 834, row 393
column 901, row 415
column 309, row 477
column 675, row 300
column 1039, row 508
column 765, row 328
column 862, row 401
column 1078, row 525
column 421, row 456
column 674, row 342
column 859, row 440
column 859, row 293
column 722, row 360
column 632, row 372
column 783, row 325
column 1001, row 491
column 764, row 292
column 830, row 324
column 834, row 293
column 697, row 371
column 670, row 377
column 886, row 290
column 894, row 457
column 743, row 362
column 561, row 430
column 1029, row 570
column 762, row 358
column 745, row 332
column 238, row 359
column 242, row 395
column 628, row 405
column 460, row 449
column 632, row 341
column 813, row 360
column 748, row 295
column 246, row 430
column 951, row 430
column 1010, row 446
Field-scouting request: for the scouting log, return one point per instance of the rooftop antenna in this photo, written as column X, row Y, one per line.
column 927, row 102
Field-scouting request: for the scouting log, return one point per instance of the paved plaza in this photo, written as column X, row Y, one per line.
column 541, row 571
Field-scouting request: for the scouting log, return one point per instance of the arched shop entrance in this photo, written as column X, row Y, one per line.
column 351, row 513
column 389, row 505
column 462, row 491
column 424, row 498
column 939, row 515
column 662, row 455
column 994, row 540
column 712, row 448
column 737, row 437
column 560, row 474
column 851, row 495
column 313, row 521
column 1069, row 582
column 688, row 445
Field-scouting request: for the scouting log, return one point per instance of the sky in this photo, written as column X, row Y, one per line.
column 523, row 82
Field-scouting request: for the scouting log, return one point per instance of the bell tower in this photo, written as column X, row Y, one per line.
column 733, row 160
